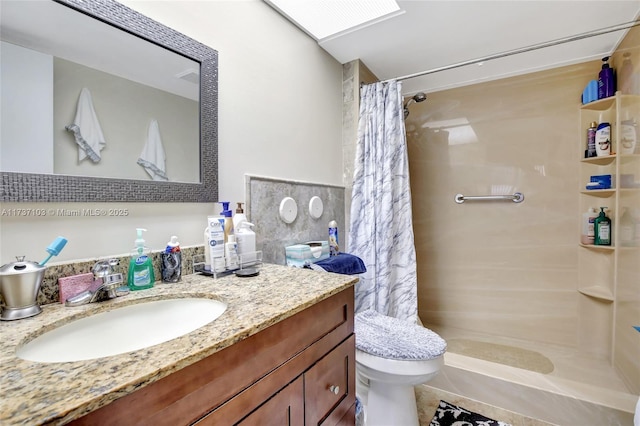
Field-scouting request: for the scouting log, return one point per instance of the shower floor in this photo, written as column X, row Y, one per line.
column 580, row 390
column 567, row 363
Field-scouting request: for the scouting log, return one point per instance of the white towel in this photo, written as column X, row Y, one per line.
column 152, row 156
column 86, row 129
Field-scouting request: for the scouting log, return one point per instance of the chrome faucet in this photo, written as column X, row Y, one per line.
column 112, row 284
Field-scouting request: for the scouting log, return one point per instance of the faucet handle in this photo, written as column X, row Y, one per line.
column 104, row 268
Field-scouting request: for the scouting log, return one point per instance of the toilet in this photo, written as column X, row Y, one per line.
column 392, row 356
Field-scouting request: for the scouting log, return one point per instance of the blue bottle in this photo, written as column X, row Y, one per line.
column 606, row 80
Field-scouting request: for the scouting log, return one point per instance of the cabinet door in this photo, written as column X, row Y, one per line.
column 284, row 408
column 329, row 386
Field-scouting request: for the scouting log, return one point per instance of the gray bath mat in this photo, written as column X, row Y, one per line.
column 448, row 414
column 502, row 354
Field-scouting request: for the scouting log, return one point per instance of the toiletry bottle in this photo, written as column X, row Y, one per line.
column 628, row 135
column 588, row 220
column 172, row 261
column 602, row 229
column 231, row 253
column 625, row 76
column 246, row 240
column 239, row 217
column 227, row 220
column 591, row 140
column 603, row 139
column 215, row 241
column 627, row 228
column 334, row 249
column 140, row 274
column 606, row 81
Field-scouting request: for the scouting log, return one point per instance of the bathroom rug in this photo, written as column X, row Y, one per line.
column 448, row 414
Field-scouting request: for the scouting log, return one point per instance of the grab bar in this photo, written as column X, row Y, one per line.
column 517, row 197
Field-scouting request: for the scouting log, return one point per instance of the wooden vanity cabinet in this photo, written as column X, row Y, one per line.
column 299, row 371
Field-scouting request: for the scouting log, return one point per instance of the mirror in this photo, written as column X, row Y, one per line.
column 140, row 113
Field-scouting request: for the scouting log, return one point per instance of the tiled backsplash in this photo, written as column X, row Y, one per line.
column 272, row 234
column 49, row 290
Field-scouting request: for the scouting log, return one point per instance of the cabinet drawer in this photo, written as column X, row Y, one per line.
column 329, row 386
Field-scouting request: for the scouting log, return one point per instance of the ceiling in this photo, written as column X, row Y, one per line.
column 431, row 34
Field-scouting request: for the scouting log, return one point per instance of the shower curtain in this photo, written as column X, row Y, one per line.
column 381, row 228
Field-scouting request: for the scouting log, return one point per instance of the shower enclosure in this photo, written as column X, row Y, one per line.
column 508, row 273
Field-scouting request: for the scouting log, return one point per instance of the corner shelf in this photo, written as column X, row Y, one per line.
column 595, row 247
column 599, row 192
column 598, row 292
column 600, row 161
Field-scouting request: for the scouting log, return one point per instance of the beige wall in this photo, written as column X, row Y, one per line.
column 499, row 267
column 280, row 115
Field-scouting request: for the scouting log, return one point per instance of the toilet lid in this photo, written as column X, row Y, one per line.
column 393, row 338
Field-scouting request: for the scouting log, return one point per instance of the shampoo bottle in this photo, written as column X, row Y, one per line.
column 140, row 274
column 606, row 81
column 603, row 139
column 172, row 261
column 602, row 229
column 588, row 220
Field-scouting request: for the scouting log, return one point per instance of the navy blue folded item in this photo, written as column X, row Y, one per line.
column 343, row 263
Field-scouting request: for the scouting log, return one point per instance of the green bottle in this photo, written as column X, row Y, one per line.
column 602, row 229
column 140, row 274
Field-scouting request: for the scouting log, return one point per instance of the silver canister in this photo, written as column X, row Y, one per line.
column 20, row 283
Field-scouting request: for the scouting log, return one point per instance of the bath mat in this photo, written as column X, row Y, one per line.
column 502, row 354
column 448, row 414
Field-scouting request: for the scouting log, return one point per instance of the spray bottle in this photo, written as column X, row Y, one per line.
column 140, row 275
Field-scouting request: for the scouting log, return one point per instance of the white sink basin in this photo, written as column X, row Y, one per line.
column 121, row 330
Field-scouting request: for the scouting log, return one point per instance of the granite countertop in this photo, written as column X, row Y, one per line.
column 36, row 393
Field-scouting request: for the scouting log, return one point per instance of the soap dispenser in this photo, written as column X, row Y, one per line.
column 140, row 274
column 239, row 217
column 606, row 80
column 602, row 229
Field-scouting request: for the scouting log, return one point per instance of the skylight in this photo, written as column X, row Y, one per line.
column 325, row 18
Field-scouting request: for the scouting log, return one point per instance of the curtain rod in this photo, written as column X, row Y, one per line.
column 530, row 48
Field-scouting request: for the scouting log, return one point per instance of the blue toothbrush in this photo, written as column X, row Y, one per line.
column 54, row 248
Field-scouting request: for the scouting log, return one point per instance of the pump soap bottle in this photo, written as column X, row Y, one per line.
column 606, row 80
column 602, row 229
column 239, row 217
column 140, row 274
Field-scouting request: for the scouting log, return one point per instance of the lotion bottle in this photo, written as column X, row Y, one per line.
column 588, row 220
column 231, row 252
column 140, row 274
column 602, row 229
column 246, row 240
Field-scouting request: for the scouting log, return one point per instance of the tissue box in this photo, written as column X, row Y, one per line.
column 304, row 254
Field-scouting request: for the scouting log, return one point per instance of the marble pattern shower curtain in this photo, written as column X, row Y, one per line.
column 381, row 228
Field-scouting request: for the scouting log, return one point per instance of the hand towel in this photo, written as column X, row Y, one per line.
column 152, row 156
column 342, row 263
column 86, row 129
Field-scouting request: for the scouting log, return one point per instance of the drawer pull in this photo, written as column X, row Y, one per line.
column 334, row 389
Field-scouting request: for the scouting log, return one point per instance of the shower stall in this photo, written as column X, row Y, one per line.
column 499, row 276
